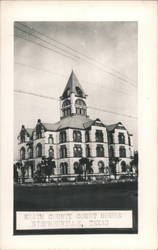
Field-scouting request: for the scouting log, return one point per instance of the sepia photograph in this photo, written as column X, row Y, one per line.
column 75, row 127
column 78, row 125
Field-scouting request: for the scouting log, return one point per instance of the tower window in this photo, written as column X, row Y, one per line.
column 77, row 136
column 66, row 103
column 79, row 92
column 99, row 136
column 77, row 151
column 80, row 102
column 100, row 151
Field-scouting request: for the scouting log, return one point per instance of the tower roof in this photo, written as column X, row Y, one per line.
column 73, row 86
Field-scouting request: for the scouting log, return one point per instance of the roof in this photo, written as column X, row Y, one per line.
column 72, row 85
column 111, row 127
column 29, row 131
column 78, row 122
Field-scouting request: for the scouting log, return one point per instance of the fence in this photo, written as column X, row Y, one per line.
column 79, row 178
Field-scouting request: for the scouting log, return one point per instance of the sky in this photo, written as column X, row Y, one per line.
column 103, row 56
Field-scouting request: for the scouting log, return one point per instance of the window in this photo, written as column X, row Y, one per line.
column 88, row 152
column 39, row 150
column 63, row 151
column 79, row 92
column 80, row 102
column 100, row 151
column 77, row 136
column 99, row 136
column 101, row 167
column 50, row 139
column 22, row 153
column 122, row 151
column 30, row 152
column 87, row 138
column 111, row 152
column 110, row 138
column 129, row 141
column 64, row 168
column 123, row 166
column 76, row 167
column 77, row 151
column 51, row 152
column 62, row 136
column 121, row 138
column 66, row 103
column 67, row 112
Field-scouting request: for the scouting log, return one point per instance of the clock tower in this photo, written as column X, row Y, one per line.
column 73, row 99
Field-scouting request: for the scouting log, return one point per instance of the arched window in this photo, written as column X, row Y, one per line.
column 122, row 151
column 77, row 137
column 76, row 167
column 80, row 102
column 30, row 152
column 51, row 152
column 99, row 136
column 66, row 103
column 64, row 168
column 39, row 150
column 88, row 152
column 50, row 139
column 121, row 138
column 101, row 167
column 123, row 166
column 100, row 151
column 63, row 151
column 79, row 92
column 77, row 151
column 111, row 152
column 22, row 153
column 87, row 137
column 62, row 136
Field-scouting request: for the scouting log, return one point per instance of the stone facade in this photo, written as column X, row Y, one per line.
column 75, row 136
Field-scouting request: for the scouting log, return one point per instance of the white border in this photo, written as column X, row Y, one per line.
column 145, row 13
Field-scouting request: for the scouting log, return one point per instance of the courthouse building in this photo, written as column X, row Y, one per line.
column 76, row 135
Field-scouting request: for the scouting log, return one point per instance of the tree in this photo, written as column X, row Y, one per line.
column 134, row 162
column 86, row 165
column 112, row 164
column 48, row 165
